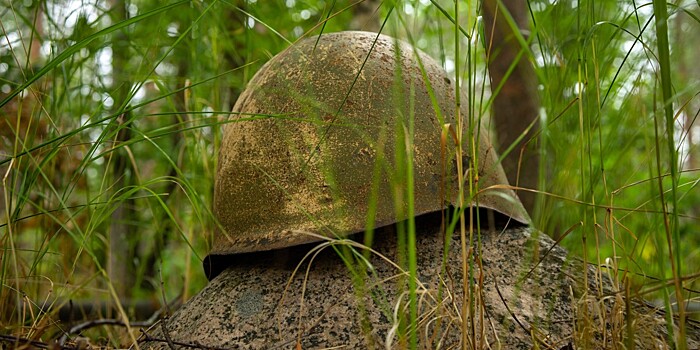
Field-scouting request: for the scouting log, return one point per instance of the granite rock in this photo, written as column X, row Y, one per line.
column 525, row 292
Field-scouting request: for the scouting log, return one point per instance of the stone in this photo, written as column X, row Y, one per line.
column 526, row 292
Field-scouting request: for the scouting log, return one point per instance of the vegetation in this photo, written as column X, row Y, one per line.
column 111, row 114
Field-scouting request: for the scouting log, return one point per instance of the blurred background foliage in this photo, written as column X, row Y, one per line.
column 111, row 113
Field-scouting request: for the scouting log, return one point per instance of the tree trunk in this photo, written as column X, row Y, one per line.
column 516, row 106
column 685, row 54
column 120, row 268
column 365, row 16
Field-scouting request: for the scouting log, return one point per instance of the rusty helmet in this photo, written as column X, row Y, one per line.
column 312, row 145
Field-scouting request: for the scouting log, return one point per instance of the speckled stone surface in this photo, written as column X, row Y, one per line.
column 260, row 303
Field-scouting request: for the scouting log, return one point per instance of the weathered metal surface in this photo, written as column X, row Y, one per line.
column 319, row 126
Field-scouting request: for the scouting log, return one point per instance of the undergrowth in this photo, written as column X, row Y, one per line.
column 111, row 117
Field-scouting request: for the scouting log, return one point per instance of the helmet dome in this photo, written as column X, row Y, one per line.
column 313, row 143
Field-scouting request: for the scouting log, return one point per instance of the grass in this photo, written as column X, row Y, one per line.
column 618, row 183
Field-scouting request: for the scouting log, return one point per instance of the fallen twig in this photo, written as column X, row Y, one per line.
column 15, row 341
column 115, row 322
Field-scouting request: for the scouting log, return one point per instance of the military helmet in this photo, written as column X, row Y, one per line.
column 315, row 142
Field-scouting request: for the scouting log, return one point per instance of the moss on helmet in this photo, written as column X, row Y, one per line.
column 324, row 127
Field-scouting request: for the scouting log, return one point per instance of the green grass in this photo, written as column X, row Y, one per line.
column 615, row 186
